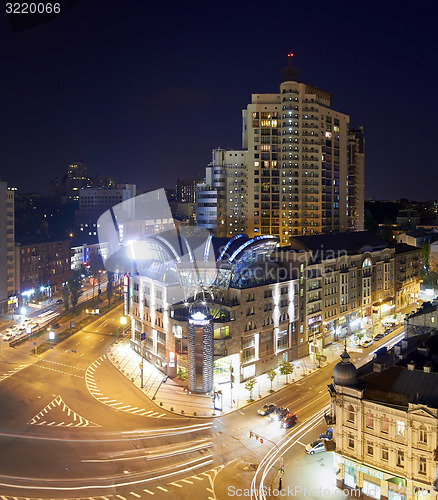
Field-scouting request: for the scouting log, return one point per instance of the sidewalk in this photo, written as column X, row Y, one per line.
column 173, row 397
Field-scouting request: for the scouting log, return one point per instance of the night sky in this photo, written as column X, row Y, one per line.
column 145, row 90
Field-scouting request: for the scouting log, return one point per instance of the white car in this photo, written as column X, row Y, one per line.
column 8, row 336
column 315, row 447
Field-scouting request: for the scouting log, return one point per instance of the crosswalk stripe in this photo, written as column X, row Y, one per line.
column 187, row 481
column 198, row 478
column 142, row 410
column 162, row 415
column 135, row 494
column 176, row 484
column 162, row 489
column 152, row 414
column 150, row 492
column 120, row 496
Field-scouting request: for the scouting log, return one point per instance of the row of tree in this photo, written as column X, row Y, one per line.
column 285, row 368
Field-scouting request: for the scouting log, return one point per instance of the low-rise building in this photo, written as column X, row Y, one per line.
column 423, row 320
column 42, row 265
column 385, row 420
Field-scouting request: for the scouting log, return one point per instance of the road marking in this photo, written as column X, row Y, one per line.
column 37, row 365
column 150, row 492
column 299, row 442
column 176, row 484
column 135, row 494
column 162, row 415
column 187, row 481
column 198, row 478
column 151, row 415
column 120, row 496
column 12, row 372
column 210, row 490
column 59, row 404
column 162, row 489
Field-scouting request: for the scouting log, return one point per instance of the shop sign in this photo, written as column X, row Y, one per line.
column 363, row 468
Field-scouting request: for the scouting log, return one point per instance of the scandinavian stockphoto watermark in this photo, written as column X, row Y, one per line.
column 296, row 491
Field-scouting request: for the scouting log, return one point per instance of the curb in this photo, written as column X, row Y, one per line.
column 110, row 357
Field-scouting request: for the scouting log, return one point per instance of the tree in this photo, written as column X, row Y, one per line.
column 75, row 287
column 65, row 294
column 358, row 336
column 424, row 254
column 271, row 373
column 249, row 386
column 286, row 368
column 109, row 288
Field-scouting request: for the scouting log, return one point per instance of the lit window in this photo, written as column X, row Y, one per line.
column 400, row 429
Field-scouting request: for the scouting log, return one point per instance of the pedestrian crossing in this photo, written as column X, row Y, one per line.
column 90, row 381
column 12, row 372
column 58, row 414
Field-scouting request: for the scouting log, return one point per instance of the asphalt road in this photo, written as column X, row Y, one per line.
column 71, row 426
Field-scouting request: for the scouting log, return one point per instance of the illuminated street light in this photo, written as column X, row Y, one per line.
column 51, row 335
column 23, row 310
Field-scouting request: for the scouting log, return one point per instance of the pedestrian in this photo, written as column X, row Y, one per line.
column 280, row 487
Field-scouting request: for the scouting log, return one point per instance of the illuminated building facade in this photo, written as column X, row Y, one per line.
column 254, row 309
column 301, row 168
column 221, row 199
column 385, row 420
column 350, row 281
column 7, row 241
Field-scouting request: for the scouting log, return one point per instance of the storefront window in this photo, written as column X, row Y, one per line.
column 371, row 489
column 350, row 477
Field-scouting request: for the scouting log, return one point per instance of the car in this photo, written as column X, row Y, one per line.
column 279, row 413
column 315, row 447
column 57, row 325
column 366, row 343
column 266, row 409
column 289, row 421
column 26, row 321
column 8, row 336
column 59, row 301
column 388, row 330
column 13, row 328
column 328, row 434
column 378, row 336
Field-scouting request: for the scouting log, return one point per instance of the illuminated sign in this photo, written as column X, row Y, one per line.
column 363, row 468
column 199, row 322
column 172, row 359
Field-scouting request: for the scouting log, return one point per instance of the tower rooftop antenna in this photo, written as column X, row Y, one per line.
column 290, row 73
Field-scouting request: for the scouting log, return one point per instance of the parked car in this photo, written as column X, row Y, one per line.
column 378, row 336
column 8, row 336
column 366, row 343
column 59, row 301
column 289, row 421
column 388, row 330
column 315, row 447
column 57, row 325
column 267, row 409
column 279, row 413
column 328, row 434
column 21, row 330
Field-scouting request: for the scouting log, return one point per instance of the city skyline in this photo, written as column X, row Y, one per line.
column 143, row 100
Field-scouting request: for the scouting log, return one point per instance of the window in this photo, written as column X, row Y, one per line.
column 350, row 414
column 422, row 466
column 370, row 420
column 400, row 429
column 385, row 453
column 423, row 434
column 385, row 425
column 370, row 449
column 350, row 441
column 400, row 458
